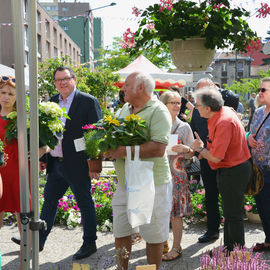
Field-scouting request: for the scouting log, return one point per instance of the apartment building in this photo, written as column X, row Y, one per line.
column 76, row 19
column 229, row 67
column 52, row 40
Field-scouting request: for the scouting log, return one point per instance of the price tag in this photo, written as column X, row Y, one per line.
column 79, row 144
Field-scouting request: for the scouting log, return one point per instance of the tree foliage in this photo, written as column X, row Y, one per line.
column 99, row 83
column 117, row 58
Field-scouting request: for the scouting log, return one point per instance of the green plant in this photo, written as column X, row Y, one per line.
column 92, row 146
column 110, row 132
column 50, row 125
column 214, row 20
column 250, row 204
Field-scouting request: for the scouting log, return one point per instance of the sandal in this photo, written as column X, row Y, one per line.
column 166, row 257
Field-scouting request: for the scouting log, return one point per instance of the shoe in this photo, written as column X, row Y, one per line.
column 259, row 247
column 208, row 236
column 166, row 257
column 18, row 242
column 85, row 251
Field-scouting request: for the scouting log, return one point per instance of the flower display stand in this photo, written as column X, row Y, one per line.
column 253, row 218
column 95, row 165
column 191, row 54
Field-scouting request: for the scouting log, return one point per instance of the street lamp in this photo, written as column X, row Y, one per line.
column 84, row 26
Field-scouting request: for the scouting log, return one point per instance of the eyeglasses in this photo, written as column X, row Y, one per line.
column 174, row 103
column 63, row 80
column 6, row 79
column 262, row 90
column 198, row 105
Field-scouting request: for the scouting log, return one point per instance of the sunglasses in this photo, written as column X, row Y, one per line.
column 262, row 90
column 6, row 79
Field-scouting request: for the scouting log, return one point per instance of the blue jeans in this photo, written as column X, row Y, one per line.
column 263, row 207
column 57, row 184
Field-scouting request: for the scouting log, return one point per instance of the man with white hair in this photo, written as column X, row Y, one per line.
column 140, row 100
column 199, row 124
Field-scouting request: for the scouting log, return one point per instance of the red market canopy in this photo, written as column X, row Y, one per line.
column 162, row 78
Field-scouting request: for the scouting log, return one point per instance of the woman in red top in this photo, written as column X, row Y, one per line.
column 10, row 201
column 228, row 153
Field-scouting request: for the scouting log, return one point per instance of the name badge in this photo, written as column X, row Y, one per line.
column 79, row 144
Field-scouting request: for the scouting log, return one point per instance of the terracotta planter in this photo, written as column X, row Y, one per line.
column 95, row 165
column 191, row 54
column 253, row 218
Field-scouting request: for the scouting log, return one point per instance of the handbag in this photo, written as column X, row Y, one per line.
column 256, row 181
column 140, row 188
column 194, row 167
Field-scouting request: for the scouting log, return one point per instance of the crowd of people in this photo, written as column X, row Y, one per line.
column 211, row 130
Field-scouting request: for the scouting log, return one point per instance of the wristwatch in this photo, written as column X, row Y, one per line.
column 200, row 149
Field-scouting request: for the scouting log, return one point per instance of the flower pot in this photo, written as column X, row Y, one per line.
column 95, row 165
column 253, row 218
column 190, row 54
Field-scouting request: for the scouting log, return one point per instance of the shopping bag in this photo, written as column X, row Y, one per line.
column 140, row 188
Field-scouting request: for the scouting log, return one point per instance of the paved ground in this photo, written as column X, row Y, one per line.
column 63, row 243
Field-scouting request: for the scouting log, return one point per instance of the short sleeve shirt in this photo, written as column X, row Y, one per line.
column 158, row 120
column 227, row 139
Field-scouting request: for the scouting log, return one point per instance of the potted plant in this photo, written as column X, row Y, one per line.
column 110, row 132
column 251, row 210
column 213, row 24
column 92, row 148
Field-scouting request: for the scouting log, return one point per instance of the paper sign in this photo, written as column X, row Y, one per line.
column 78, row 266
column 146, row 267
column 173, row 140
column 79, row 144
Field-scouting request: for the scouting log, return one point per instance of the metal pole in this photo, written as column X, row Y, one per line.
column 34, row 130
column 18, row 31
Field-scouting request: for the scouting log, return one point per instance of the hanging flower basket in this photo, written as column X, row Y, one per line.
column 191, row 54
column 95, row 165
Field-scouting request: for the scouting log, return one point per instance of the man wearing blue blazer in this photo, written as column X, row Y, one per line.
column 67, row 163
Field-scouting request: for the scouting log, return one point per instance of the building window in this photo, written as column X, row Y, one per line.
column 39, row 44
column 55, row 52
column 38, row 22
column 61, row 41
column 64, row 8
column 54, row 36
column 223, row 81
column 224, row 69
column 47, row 26
column 240, row 66
column 70, row 51
column 65, row 48
column 48, row 49
column 65, row 28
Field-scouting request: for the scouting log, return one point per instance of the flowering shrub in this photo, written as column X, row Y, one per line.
column 239, row 259
column 50, row 125
column 250, row 204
